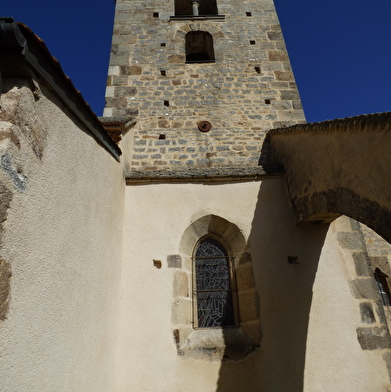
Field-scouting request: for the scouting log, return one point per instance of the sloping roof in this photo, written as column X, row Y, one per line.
column 18, row 40
column 364, row 122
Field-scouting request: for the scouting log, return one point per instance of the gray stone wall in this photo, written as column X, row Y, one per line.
column 249, row 88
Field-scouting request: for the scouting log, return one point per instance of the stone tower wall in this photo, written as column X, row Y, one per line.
column 249, row 88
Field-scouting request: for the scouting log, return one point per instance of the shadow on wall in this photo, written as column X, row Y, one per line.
column 285, row 260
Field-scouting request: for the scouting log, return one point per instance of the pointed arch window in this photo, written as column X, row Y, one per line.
column 214, row 286
column 199, row 47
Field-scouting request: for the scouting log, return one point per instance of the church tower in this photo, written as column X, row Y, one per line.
column 155, row 249
column 220, row 290
column 206, row 80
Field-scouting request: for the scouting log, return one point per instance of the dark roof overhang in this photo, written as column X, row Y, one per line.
column 19, row 41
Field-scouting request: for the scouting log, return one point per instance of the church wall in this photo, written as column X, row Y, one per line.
column 60, row 247
column 303, row 298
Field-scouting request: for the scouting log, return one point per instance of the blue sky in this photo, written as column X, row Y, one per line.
column 340, row 49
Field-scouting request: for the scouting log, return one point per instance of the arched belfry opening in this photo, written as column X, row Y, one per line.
column 208, row 7
column 199, row 47
column 205, row 7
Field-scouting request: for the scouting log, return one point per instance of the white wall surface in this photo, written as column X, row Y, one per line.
column 156, row 217
column 90, row 313
column 62, row 239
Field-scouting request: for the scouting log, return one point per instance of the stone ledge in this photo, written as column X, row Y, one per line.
column 220, row 344
column 116, row 127
column 200, row 175
column 194, row 18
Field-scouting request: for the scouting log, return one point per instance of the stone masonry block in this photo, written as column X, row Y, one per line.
column 181, row 311
column 375, row 338
column 174, row 261
column 176, row 58
column 361, row 263
column 366, row 312
column 364, row 288
column 284, row 75
column 124, row 91
column 244, row 277
column 291, row 95
column 181, row 284
column 349, row 240
column 381, row 311
column 275, row 35
column 114, row 70
column 277, row 55
column 131, row 70
column 109, row 91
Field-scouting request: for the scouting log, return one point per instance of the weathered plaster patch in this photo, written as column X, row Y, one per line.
column 5, row 201
column 35, row 89
column 18, row 179
column 5, row 276
column 20, row 110
column 8, row 133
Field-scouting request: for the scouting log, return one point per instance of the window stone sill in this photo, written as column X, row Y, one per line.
column 223, row 344
column 220, row 18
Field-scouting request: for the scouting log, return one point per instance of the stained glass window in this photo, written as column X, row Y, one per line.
column 213, row 285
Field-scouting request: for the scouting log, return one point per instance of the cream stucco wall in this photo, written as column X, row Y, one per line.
column 156, row 216
column 334, row 358
column 62, row 241
column 89, row 311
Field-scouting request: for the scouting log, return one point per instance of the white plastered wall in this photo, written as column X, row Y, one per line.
column 156, row 217
column 332, row 341
column 62, row 240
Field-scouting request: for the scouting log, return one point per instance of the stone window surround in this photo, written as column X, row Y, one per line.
column 215, row 344
column 179, row 32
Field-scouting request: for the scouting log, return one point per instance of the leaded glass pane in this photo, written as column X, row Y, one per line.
column 214, row 309
column 214, row 297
